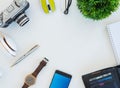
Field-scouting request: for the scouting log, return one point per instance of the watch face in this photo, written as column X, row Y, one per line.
column 30, row 80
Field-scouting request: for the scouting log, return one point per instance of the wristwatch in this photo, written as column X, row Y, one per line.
column 31, row 78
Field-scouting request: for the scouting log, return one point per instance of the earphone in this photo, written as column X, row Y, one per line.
column 48, row 5
column 67, row 6
column 8, row 44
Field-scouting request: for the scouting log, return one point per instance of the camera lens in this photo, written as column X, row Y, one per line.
column 22, row 19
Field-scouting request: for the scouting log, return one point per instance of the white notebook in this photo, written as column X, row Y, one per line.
column 114, row 34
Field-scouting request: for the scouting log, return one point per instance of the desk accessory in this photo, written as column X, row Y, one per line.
column 97, row 9
column 114, row 35
column 26, row 54
column 60, row 80
column 67, row 6
column 8, row 44
column 105, row 78
column 15, row 12
column 30, row 79
column 48, row 5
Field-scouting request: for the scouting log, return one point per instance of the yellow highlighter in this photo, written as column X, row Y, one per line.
column 48, row 5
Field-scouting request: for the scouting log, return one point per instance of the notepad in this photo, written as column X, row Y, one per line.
column 114, row 35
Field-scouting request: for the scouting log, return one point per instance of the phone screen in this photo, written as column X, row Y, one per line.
column 60, row 80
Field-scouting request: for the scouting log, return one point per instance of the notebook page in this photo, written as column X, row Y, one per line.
column 114, row 35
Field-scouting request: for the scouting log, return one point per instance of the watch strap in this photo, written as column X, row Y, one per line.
column 39, row 68
column 25, row 86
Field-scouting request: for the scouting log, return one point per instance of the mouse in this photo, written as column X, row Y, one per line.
column 8, row 44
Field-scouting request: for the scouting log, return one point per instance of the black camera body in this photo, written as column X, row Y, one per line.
column 105, row 78
column 15, row 12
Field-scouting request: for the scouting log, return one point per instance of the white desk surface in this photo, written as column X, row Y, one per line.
column 72, row 43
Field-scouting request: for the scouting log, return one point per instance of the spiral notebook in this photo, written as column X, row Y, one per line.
column 114, row 35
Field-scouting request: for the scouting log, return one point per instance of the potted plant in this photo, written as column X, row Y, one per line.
column 97, row 9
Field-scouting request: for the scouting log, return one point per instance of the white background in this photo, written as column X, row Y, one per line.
column 72, row 43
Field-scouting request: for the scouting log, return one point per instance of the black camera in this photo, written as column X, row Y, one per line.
column 105, row 78
column 15, row 12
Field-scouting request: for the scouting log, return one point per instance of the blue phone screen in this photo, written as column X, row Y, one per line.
column 60, row 81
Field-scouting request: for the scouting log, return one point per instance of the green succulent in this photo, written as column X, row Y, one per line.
column 97, row 9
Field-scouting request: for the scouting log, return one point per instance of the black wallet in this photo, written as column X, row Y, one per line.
column 105, row 78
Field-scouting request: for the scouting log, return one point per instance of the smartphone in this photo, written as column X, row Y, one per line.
column 60, row 80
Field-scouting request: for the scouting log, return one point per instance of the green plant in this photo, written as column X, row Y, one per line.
column 97, row 9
